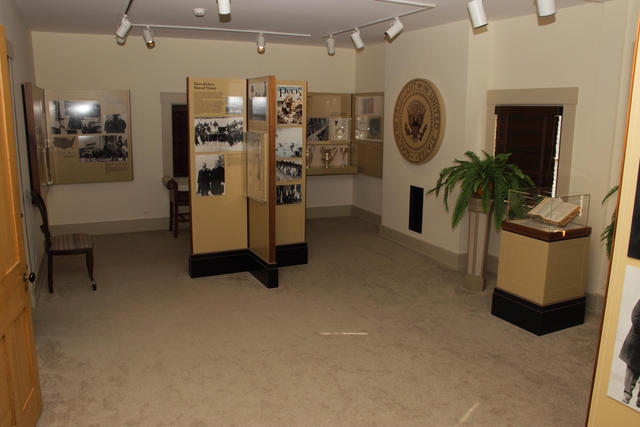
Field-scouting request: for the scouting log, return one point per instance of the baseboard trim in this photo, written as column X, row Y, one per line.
column 366, row 215
column 328, row 211
column 114, row 227
column 491, row 264
column 436, row 253
column 595, row 303
column 42, row 281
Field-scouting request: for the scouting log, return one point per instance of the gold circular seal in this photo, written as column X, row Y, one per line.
column 418, row 121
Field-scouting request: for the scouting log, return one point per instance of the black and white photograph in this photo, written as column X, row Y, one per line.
column 288, row 142
column 625, row 367
column 115, row 123
column 258, row 101
column 289, row 194
column 218, row 134
column 634, row 239
column 211, row 177
column 289, row 104
column 317, row 129
column 234, row 105
column 288, row 170
column 75, row 117
column 110, row 148
column 374, row 128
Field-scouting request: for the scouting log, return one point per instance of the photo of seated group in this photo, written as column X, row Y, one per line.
column 288, row 194
column 218, row 134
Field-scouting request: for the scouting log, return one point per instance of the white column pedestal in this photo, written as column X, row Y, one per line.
column 478, row 235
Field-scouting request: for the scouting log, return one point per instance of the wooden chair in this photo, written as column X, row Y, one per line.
column 64, row 244
column 177, row 199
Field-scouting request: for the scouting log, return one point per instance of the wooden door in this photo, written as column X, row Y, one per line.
column 20, row 400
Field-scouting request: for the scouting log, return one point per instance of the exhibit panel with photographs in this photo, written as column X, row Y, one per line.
column 625, row 367
column 608, row 406
column 292, row 132
column 88, row 136
column 216, row 152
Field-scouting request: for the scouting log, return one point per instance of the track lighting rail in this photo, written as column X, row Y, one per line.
column 226, row 30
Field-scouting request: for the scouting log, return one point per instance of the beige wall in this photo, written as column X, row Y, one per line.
column 370, row 77
column 588, row 46
column 146, row 73
column 438, row 54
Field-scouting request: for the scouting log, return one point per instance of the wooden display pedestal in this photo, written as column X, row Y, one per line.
column 542, row 276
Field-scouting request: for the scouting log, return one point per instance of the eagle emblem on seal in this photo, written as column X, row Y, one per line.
column 415, row 113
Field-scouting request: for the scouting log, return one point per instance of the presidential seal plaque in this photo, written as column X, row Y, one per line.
column 418, row 121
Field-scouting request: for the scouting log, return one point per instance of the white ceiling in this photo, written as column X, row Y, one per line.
column 317, row 18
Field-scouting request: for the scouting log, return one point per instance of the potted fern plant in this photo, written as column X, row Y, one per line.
column 490, row 179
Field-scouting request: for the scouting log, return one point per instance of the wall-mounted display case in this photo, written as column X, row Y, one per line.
column 329, row 134
column 368, row 124
column 345, row 133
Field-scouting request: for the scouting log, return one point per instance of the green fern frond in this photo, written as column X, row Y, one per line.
column 491, row 176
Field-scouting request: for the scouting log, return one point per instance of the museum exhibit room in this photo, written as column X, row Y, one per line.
column 320, row 213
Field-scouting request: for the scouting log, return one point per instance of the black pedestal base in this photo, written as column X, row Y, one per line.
column 215, row 264
column 538, row 319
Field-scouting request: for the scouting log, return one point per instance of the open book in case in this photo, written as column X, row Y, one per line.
column 538, row 209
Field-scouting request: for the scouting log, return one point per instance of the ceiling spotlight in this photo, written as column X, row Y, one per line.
column 123, row 28
column 147, row 34
column 260, row 42
column 357, row 41
column 395, row 28
column 120, row 40
column 476, row 11
column 224, row 7
column 546, row 7
column 331, row 45
column 199, row 12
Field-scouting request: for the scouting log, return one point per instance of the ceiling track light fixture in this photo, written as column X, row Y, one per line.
column 477, row 14
column 223, row 30
column 355, row 38
column 260, row 41
column 147, row 34
column 396, row 25
column 224, row 7
column 394, row 29
column 546, row 7
column 123, row 28
column 331, row 45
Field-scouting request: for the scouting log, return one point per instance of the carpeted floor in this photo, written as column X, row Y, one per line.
column 369, row 333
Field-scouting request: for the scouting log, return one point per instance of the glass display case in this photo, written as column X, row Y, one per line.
column 328, row 139
column 537, row 209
